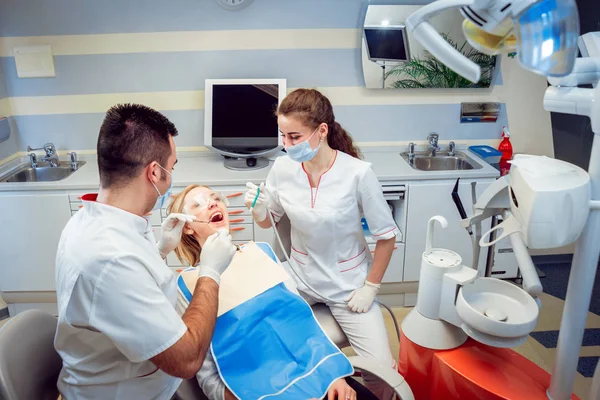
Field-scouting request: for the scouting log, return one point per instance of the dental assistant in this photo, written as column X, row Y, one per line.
column 324, row 189
column 118, row 334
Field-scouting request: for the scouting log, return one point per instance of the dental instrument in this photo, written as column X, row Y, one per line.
column 255, row 199
column 203, row 222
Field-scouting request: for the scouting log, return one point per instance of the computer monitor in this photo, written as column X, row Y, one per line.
column 387, row 43
column 240, row 121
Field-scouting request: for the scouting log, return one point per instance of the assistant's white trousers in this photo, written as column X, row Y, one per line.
column 368, row 337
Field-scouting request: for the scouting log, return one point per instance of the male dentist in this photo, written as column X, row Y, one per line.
column 118, row 333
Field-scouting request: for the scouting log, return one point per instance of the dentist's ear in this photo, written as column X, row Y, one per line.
column 152, row 173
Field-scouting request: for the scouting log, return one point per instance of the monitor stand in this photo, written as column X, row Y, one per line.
column 245, row 164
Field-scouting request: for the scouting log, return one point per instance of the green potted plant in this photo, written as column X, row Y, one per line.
column 429, row 72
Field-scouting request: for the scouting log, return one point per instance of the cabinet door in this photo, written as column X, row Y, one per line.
column 426, row 199
column 395, row 269
column 31, row 226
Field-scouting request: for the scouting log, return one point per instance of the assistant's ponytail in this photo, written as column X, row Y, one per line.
column 341, row 140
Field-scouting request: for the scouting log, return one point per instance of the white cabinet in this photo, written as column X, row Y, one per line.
column 395, row 269
column 429, row 198
column 31, row 225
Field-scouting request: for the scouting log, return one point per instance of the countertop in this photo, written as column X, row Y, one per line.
column 207, row 168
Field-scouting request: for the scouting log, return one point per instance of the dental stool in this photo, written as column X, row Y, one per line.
column 29, row 364
column 189, row 389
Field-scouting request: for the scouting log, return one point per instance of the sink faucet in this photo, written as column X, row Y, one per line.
column 411, row 151
column 33, row 160
column 74, row 163
column 51, row 156
column 433, row 144
column 451, row 150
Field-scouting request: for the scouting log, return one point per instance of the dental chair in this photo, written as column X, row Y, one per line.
column 29, row 364
column 189, row 389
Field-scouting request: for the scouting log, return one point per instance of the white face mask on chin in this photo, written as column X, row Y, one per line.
column 302, row 152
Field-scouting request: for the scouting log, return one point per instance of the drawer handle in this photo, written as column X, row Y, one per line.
column 237, row 229
column 234, row 195
column 147, row 215
column 79, row 197
column 80, row 207
column 236, row 221
column 235, row 212
column 179, row 270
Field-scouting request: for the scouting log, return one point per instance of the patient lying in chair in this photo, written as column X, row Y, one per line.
column 267, row 342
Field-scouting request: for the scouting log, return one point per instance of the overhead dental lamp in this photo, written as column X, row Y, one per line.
column 543, row 33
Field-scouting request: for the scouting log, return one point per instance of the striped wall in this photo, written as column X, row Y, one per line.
column 159, row 53
column 11, row 145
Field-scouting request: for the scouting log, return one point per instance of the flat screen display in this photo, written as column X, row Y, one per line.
column 386, row 43
column 243, row 117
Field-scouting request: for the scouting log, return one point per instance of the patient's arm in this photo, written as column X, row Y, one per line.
column 210, row 381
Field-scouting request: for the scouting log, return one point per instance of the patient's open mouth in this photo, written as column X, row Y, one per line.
column 216, row 217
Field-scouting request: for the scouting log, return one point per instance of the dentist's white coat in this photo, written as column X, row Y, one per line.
column 116, row 307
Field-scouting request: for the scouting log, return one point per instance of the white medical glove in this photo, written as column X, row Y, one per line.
column 217, row 253
column 259, row 212
column 360, row 300
column 172, row 227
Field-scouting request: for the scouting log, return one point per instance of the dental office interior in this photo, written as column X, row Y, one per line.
column 430, row 135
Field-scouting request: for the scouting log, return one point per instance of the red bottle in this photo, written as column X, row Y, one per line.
column 506, row 149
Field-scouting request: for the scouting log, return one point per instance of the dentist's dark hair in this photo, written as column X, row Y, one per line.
column 131, row 137
column 313, row 109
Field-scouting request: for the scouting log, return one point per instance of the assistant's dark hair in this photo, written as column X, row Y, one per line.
column 313, row 109
column 131, row 137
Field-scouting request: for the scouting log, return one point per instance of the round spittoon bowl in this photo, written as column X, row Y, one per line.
column 497, row 308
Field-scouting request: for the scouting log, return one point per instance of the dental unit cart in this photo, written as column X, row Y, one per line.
column 544, row 203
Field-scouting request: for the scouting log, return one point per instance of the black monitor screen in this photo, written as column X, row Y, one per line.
column 243, row 117
column 386, row 44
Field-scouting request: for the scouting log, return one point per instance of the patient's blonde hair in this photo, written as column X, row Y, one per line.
column 189, row 249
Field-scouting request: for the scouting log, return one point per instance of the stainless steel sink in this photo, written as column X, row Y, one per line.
column 441, row 161
column 27, row 173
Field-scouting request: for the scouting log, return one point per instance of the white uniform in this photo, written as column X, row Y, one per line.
column 329, row 249
column 116, row 299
